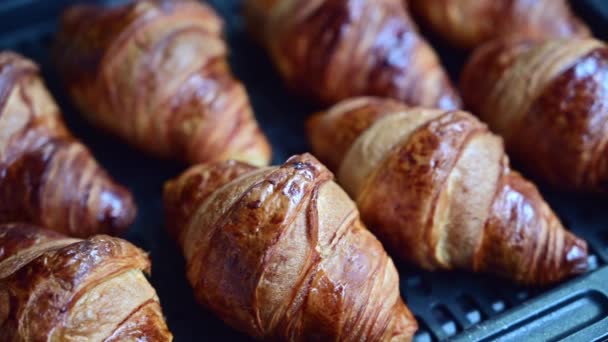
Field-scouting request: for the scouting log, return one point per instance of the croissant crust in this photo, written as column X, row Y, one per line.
column 280, row 253
column 155, row 73
column 331, row 50
column 61, row 289
column 550, row 103
column 437, row 189
column 47, row 177
column 470, row 23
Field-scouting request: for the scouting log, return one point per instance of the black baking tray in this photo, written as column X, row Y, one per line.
column 448, row 305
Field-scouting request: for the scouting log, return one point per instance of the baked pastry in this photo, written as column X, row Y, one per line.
column 155, row 73
column 549, row 101
column 469, row 23
column 280, row 254
column 330, row 50
column 47, row 177
column 436, row 187
column 55, row 288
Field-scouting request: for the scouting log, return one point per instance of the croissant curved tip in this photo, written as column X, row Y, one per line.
column 576, row 256
column 449, row 101
column 404, row 324
column 118, row 211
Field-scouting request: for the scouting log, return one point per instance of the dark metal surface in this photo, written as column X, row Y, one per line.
column 460, row 306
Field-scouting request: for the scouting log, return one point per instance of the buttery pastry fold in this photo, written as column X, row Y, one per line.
column 155, row 73
column 549, row 101
column 436, row 187
column 55, row 288
column 47, row 177
column 280, row 253
column 470, row 23
column 330, row 50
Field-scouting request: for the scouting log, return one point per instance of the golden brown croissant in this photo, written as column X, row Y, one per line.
column 330, row 50
column 469, row 23
column 280, row 253
column 46, row 176
column 54, row 288
column 436, row 187
column 154, row 72
column 549, row 102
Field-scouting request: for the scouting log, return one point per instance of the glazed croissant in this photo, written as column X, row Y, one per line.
column 280, row 253
column 330, row 50
column 46, row 176
column 155, row 73
column 469, row 23
column 436, row 188
column 54, row 288
column 549, row 102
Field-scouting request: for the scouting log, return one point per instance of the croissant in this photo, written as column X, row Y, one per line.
column 47, row 177
column 330, row 50
column 436, row 187
column 280, row 253
column 469, row 23
column 55, row 288
column 549, row 101
column 155, row 73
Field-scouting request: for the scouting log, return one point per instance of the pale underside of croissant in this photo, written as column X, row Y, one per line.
column 330, row 50
column 436, row 188
column 47, row 177
column 469, row 23
column 155, row 73
column 280, row 253
column 54, row 288
column 549, row 101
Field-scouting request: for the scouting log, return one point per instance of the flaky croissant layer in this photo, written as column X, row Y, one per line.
column 549, row 101
column 47, row 177
column 330, row 50
column 280, row 253
column 54, row 288
column 155, row 73
column 470, row 23
column 437, row 189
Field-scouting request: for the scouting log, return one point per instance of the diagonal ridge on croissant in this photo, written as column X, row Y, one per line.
column 436, row 187
column 155, row 73
column 55, row 288
column 331, row 50
column 549, row 101
column 470, row 23
column 280, row 253
column 47, row 177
